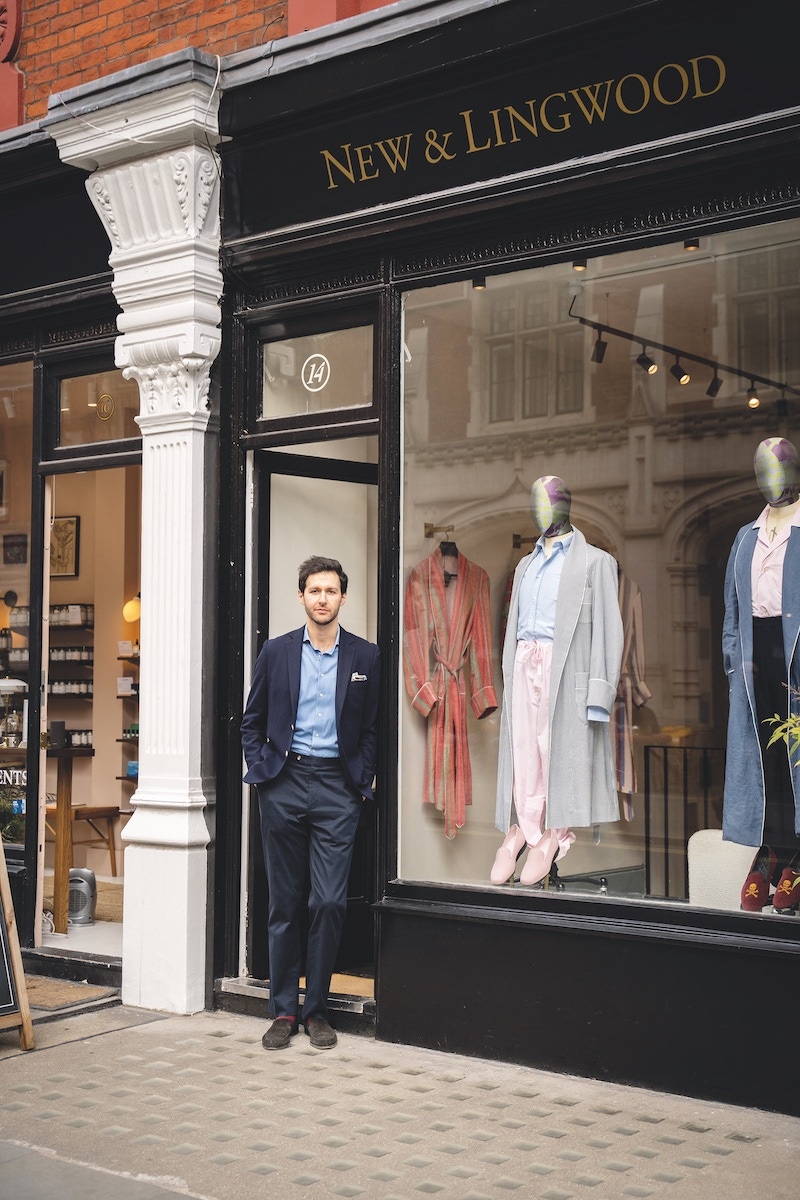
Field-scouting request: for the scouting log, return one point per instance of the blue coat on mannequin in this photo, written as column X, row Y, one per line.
column 745, row 799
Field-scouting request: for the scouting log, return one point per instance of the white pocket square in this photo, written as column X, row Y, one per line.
column 356, row 678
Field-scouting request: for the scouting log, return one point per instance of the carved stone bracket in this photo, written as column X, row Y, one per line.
column 155, row 186
column 167, row 279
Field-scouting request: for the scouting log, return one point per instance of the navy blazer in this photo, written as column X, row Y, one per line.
column 267, row 726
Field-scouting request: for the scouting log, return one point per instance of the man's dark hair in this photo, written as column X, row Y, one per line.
column 313, row 566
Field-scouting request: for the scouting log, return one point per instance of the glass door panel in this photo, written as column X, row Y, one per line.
column 300, row 516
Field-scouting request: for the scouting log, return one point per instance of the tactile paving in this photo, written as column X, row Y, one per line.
column 196, row 1101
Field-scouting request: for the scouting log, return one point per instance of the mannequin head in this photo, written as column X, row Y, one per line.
column 550, row 505
column 777, row 471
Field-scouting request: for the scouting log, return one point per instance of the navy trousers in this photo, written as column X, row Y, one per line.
column 771, row 696
column 309, row 818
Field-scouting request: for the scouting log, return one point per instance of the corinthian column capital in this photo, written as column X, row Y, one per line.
column 154, row 183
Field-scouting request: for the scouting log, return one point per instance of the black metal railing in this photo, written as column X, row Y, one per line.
column 682, row 793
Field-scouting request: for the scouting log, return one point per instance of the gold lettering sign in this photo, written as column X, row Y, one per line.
column 558, row 113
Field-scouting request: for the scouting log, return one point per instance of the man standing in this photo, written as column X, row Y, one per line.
column 309, row 733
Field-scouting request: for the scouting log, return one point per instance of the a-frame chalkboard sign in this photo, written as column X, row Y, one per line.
column 14, row 1010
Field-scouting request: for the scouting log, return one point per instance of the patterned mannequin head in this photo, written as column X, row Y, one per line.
column 777, row 472
column 550, row 505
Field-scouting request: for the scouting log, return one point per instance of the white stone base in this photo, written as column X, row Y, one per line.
column 166, row 896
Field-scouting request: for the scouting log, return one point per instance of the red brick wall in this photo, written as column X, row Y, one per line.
column 68, row 42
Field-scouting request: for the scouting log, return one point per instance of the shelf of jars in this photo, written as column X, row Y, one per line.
column 61, row 616
column 78, row 737
column 77, row 656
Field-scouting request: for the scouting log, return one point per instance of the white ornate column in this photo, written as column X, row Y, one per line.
column 155, row 184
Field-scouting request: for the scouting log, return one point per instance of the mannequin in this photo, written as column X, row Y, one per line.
column 762, row 662
column 561, row 661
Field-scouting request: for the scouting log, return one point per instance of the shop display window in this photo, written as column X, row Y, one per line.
column 99, row 407
column 16, row 411
column 547, row 372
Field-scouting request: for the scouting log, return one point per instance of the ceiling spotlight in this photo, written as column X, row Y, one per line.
column 646, row 363
column 599, row 350
column 680, row 373
column 692, row 244
column 713, row 388
column 752, row 395
column 479, row 283
column 579, row 264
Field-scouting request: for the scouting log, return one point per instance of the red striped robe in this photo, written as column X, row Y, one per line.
column 442, row 646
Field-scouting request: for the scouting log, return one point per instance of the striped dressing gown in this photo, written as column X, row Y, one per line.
column 632, row 690
column 447, row 651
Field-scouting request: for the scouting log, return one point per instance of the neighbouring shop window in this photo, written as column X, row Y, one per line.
column 16, row 410
column 100, row 407
column 317, row 372
column 542, row 373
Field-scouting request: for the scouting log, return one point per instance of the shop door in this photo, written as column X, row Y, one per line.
column 310, row 503
column 89, row 708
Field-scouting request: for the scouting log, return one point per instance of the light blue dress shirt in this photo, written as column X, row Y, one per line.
column 538, row 592
column 538, row 598
column 315, row 724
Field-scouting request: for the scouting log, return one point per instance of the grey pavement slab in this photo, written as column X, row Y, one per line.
column 195, row 1106
column 35, row 1175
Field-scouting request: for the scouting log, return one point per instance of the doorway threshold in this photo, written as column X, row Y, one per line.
column 78, row 965
column 351, row 1003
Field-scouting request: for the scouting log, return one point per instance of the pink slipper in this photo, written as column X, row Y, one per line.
column 540, row 859
column 505, row 861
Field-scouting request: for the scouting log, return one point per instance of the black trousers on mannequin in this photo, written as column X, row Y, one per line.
column 771, row 696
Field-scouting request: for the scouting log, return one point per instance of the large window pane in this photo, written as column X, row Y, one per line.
column 16, row 410
column 662, row 478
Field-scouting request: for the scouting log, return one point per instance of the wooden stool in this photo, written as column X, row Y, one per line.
column 90, row 813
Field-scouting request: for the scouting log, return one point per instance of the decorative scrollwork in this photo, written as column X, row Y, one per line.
column 194, row 182
column 10, row 29
column 102, row 202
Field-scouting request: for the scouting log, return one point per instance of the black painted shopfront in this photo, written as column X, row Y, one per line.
column 462, row 213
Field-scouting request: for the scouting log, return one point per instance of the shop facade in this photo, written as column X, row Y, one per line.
column 518, row 211
column 451, row 236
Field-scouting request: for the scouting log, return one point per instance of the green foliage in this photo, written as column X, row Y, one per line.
column 786, row 729
column 12, row 825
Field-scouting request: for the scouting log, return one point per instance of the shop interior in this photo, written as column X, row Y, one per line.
column 90, row 658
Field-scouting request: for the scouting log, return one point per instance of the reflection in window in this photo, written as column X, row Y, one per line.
column 537, row 372
column 101, row 407
column 319, row 372
column 500, row 389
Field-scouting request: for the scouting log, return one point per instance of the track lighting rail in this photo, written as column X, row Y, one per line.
column 675, row 352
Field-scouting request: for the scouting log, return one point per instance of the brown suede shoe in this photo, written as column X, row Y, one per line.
column 320, row 1032
column 279, row 1033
